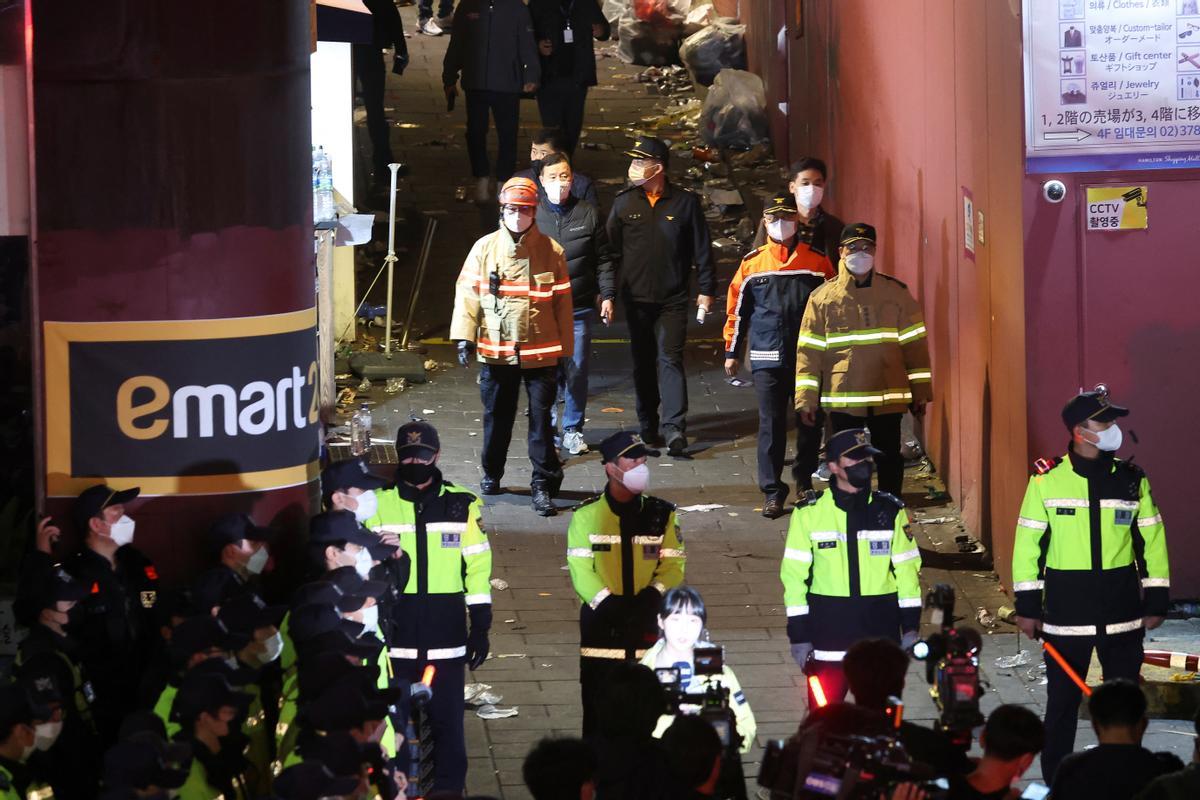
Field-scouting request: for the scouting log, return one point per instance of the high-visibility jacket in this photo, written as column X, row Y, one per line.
column 439, row 529
column 7, row 790
column 849, row 573
column 767, row 296
column 743, row 717
column 615, row 551
column 162, row 709
column 513, row 299
column 1090, row 553
column 862, row 347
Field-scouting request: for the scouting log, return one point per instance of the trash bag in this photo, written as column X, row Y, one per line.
column 613, row 10
column 662, row 12
column 712, row 49
column 647, row 43
column 702, row 15
column 735, row 111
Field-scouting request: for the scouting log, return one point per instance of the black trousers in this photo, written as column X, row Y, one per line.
column 500, row 388
column 776, row 390
column 445, row 712
column 594, row 675
column 505, row 108
column 371, row 74
column 1120, row 656
column 561, row 104
column 425, row 9
column 657, row 333
column 885, row 435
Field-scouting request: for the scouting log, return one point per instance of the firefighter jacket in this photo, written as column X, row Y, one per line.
column 747, row 727
column 439, row 529
column 1090, row 553
column 614, row 552
column 850, row 570
column 862, row 347
column 822, row 234
column 766, row 302
column 513, row 299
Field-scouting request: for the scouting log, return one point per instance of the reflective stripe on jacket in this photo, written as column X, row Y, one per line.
column 529, row 320
column 862, row 347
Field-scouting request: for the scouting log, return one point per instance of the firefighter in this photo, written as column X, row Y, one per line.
column 851, row 569
column 1089, row 562
column 862, row 353
column 439, row 528
column 766, row 303
column 624, row 551
column 513, row 303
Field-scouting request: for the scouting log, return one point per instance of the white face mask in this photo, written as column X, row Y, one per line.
column 781, row 230
column 362, row 563
column 517, row 222
column 1109, row 440
column 368, row 504
column 122, row 531
column 46, row 734
column 639, row 174
column 859, row 263
column 257, row 562
column 557, row 192
column 274, row 647
column 809, row 197
column 370, row 619
column 637, row 480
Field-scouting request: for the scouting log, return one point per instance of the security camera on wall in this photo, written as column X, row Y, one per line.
column 1054, row 191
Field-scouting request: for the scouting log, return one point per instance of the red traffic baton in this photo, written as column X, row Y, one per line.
column 1062, row 662
column 1172, row 659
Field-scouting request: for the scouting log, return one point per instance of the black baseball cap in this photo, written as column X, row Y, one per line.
column 325, row 593
column 858, row 231
column 202, row 691
column 624, row 443
column 138, row 765
column 147, row 728
column 19, row 707
column 419, row 435
column 649, row 147
column 854, row 443
column 351, row 473
column 329, row 527
column 245, row 613
column 308, row 623
column 783, row 203
column 232, row 528
column 199, row 634
column 1091, row 405
column 381, row 550
column 49, row 586
column 339, row 751
column 316, row 672
column 348, row 704
column 349, row 581
column 312, row 780
column 94, row 499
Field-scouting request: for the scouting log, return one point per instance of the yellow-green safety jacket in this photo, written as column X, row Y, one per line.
column 851, row 570
column 1090, row 552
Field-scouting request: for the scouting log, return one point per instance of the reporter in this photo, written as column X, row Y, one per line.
column 1011, row 738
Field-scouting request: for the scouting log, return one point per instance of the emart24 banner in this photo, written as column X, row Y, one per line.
column 182, row 407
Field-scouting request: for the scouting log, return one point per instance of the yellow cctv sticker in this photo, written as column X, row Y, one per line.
column 1117, row 208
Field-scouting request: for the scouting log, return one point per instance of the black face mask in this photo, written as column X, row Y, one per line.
column 859, row 475
column 415, row 473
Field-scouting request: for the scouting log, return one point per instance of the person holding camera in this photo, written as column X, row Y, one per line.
column 851, row 569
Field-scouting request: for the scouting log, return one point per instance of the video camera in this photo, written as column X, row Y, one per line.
column 951, row 659
column 713, row 702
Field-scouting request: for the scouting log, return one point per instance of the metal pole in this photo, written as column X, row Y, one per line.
column 390, row 260
column 418, row 279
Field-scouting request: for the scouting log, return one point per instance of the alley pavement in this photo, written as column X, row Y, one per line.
column 733, row 552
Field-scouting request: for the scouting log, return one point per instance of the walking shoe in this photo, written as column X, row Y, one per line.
column 445, row 23
column 489, row 485
column 573, row 443
column 677, row 445
column 822, row 473
column 773, row 508
column 543, row 505
column 482, row 191
column 652, row 437
column 429, row 27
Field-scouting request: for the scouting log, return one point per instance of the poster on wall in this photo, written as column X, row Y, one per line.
column 182, row 407
column 1111, row 85
column 1117, row 208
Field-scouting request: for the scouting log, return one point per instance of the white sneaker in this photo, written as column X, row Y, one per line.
column 445, row 23
column 573, row 443
column 482, row 190
column 822, row 473
column 429, row 27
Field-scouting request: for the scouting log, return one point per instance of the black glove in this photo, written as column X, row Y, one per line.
column 649, row 603
column 465, row 350
column 797, row 629
column 477, row 639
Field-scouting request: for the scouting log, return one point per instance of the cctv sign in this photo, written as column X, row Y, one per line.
column 1117, row 208
column 182, row 407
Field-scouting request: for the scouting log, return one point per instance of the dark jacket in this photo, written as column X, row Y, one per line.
column 582, row 187
column 387, row 31
column 491, row 45
column 575, row 62
column 822, row 236
column 1182, row 785
column 1110, row 772
column 576, row 226
column 656, row 246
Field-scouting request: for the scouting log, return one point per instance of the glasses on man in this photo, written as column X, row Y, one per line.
column 861, row 247
column 508, row 208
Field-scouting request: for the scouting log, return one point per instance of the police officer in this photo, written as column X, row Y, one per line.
column 48, row 665
column 117, row 630
column 851, row 569
column 26, row 727
column 624, row 551
column 209, row 712
column 240, row 546
column 1090, row 565
column 767, row 297
column 439, row 528
column 658, row 232
column 136, row 768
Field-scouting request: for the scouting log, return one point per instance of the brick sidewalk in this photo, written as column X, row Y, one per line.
column 733, row 552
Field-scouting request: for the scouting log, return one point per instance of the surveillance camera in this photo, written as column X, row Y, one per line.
column 1054, row 191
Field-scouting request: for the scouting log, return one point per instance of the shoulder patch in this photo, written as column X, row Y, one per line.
column 1131, row 468
column 897, row 281
column 1044, row 465
column 460, row 490
column 659, row 503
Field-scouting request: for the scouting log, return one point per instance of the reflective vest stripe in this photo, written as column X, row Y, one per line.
column 797, row 611
column 1125, row 505
column 1029, row 586
column 807, row 382
column 537, row 351
column 445, row 527
column 396, row 528
column 1123, row 627
column 478, row 599
column 579, row 552
column 1156, row 583
column 608, row 652
column 864, row 337
column 1069, row 630
column 798, row 555
column 647, row 539
column 435, row 654
column 1032, row 524
column 829, row 655
column 668, row 552
column 919, row 375
column 600, row 538
column 1065, row 502
column 875, row 536
column 808, row 340
column 1146, row 522
column 909, row 602
column 827, row 536
column 600, row 597
column 908, row 555
column 475, row 549
column 865, row 398
column 912, row 332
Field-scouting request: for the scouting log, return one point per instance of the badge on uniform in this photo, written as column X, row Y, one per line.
column 826, row 545
column 650, row 551
column 880, row 548
column 89, row 694
column 1065, row 512
column 149, row 599
column 451, row 539
column 1123, row 516
column 601, row 548
column 43, row 684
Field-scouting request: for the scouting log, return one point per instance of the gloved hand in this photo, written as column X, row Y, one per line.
column 477, row 647
column 801, row 652
column 465, row 351
column 908, row 640
column 649, row 603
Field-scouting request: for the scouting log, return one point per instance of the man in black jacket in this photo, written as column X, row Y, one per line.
column 576, row 226
column 658, row 232
column 548, row 142
column 387, row 32
column 564, row 31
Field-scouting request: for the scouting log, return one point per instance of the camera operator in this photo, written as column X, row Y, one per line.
column 631, row 763
column 1011, row 738
column 695, row 752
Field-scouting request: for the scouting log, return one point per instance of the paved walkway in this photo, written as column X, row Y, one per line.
column 733, row 552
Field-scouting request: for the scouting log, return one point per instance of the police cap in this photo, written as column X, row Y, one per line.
column 782, row 203
column 317, row 672
column 348, row 704
column 853, row 443
column 351, row 473
column 138, row 765
column 233, row 528
column 624, row 444
column 1091, row 405
column 18, row 707
column 649, row 147
column 205, row 692
column 325, row 593
column 246, row 612
column 330, row 527
column 349, row 581
column 413, row 436
column 200, row 634
column 312, row 780
column 858, row 231
column 94, row 499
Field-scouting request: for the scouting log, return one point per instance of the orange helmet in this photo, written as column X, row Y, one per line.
column 519, row 192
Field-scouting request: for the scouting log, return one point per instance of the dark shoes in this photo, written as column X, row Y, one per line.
column 652, row 437
column 543, row 505
column 677, row 445
column 773, row 508
column 489, row 485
